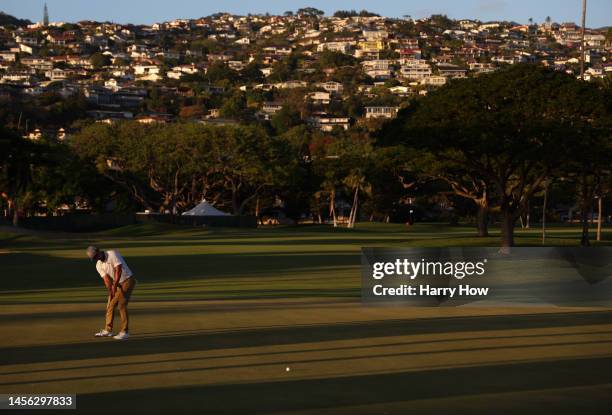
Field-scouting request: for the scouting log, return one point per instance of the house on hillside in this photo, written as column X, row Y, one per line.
column 327, row 123
column 331, row 86
column 415, row 70
column 319, row 97
column 381, row 112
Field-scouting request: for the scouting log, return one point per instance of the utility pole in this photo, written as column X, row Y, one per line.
column 582, row 51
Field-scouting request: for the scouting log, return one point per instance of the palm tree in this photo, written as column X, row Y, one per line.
column 329, row 186
column 356, row 182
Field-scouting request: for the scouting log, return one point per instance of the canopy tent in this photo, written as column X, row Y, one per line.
column 205, row 209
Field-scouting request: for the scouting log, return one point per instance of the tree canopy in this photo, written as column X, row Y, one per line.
column 498, row 137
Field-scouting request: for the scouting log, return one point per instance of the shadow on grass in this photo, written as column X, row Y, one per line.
column 267, row 397
column 39, row 272
column 292, row 335
column 295, row 360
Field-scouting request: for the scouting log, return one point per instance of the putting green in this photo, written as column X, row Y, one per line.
column 218, row 316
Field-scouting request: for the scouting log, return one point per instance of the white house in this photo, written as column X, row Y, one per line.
column 26, row 48
column 479, row 68
column 56, row 74
column 375, row 34
column 381, row 112
column 169, row 54
column 291, row 84
column 400, row 90
column 343, row 47
column 8, row 56
column 318, row 97
column 271, row 107
column 328, row 123
column 147, row 72
column 452, row 71
column 434, row 80
column 415, row 70
column 331, row 86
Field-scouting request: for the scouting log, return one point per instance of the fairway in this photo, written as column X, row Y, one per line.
column 219, row 315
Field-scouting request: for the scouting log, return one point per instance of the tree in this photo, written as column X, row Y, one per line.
column 284, row 69
column 62, row 180
column 170, row 167
column 99, row 60
column 441, row 21
column 310, row 12
column 37, row 173
column 393, row 180
column 331, row 59
column 343, row 163
column 252, row 73
column 465, row 183
column 342, row 14
column 234, row 106
column 356, row 182
column 15, row 170
column 9, row 20
column 365, row 13
column 297, row 188
column 589, row 148
column 507, row 130
column 218, row 72
column 248, row 161
column 284, row 119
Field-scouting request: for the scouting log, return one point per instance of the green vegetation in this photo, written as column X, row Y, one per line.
column 189, row 263
column 497, row 139
column 343, row 14
column 9, row 20
column 487, row 150
column 219, row 315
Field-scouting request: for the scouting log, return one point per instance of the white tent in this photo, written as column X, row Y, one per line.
column 205, row 209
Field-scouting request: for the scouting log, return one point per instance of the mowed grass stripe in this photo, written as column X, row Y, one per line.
column 329, row 359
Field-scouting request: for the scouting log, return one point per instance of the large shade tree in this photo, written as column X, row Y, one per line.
column 170, row 167
column 17, row 156
column 496, row 138
column 43, row 175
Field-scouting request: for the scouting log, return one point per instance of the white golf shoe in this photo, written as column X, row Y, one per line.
column 121, row 336
column 103, row 333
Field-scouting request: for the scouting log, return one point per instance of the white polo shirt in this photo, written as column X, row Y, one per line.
column 107, row 267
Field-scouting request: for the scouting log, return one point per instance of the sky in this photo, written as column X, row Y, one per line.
column 149, row 11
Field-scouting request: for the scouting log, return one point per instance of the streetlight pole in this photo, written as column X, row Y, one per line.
column 582, row 51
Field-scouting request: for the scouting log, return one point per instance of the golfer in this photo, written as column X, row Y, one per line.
column 119, row 281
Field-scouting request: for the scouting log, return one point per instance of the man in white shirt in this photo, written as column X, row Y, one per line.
column 119, row 281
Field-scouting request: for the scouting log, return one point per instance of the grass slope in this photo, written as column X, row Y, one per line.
column 218, row 315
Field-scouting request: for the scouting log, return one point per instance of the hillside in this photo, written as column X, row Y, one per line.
column 7, row 19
